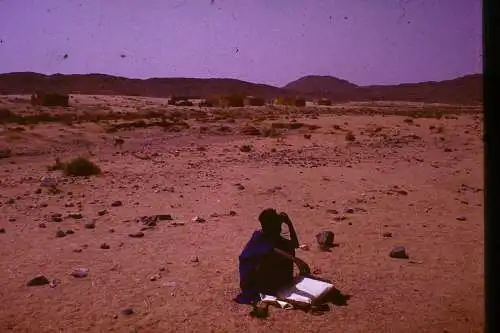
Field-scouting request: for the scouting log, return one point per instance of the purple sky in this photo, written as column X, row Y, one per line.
column 265, row 41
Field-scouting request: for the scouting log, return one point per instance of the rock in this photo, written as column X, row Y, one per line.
column 80, row 272
column 76, row 216
column 42, row 225
column 399, row 252
column 164, row 217
column 387, row 234
column 461, row 218
column 104, row 246
column 10, row 201
column 127, row 311
column 77, row 250
column 232, row 213
column 402, row 192
column 332, row 211
column 5, row 153
column 90, row 225
column 38, row 191
column 307, row 136
column 12, row 219
column 325, row 239
column 138, row 234
column 54, row 283
column 39, row 280
column 239, row 186
column 111, row 230
column 198, row 219
column 349, row 211
column 69, row 232
column 195, row 259
column 2, row 230
column 60, row 234
column 102, row 212
column 339, row 218
column 155, row 277
column 116, row 204
column 56, row 217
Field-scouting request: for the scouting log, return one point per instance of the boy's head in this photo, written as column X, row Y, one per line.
column 270, row 222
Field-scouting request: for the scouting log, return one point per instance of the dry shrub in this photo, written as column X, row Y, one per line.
column 81, row 167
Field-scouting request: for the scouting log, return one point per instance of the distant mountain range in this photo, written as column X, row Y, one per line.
column 463, row 90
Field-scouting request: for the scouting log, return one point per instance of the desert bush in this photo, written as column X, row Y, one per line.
column 350, row 136
column 81, row 167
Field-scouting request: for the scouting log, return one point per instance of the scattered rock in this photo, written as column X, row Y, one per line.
column 89, row 225
column 399, row 252
column 102, row 212
column 111, row 230
column 54, row 283
column 69, row 232
column 232, row 213
column 127, row 311
column 325, row 240
column 138, row 234
column 155, row 277
column 239, row 186
column 198, row 219
column 76, row 216
column 77, row 250
column 387, row 234
column 2, row 230
column 39, row 280
column 5, row 153
column 42, row 225
column 38, row 191
column 461, row 218
column 80, row 272
column 195, row 259
column 349, row 211
column 56, row 218
column 60, row 234
column 117, row 203
column 164, row 217
column 104, row 246
column 246, row 148
column 339, row 218
column 307, row 136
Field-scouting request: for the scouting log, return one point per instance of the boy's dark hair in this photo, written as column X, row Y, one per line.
column 270, row 221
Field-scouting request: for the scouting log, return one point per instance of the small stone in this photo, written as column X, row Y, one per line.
column 80, row 272
column 39, row 280
column 104, row 246
column 127, row 311
column 332, row 211
column 117, row 203
column 399, row 252
column 138, row 234
column 60, row 234
column 54, row 283
column 198, row 219
column 38, row 191
column 162, row 269
column 155, row 277
column 339, row 218
column 42, row 225
column 349, row 211
column 69, row 232
column 195, row 259
column 325, row 239
column 56, row 218
column 402, row 192
column 102, row 212
column 164, row 217
column 77, row 250
column 76, row 216
column 12, row 219
column 2, row 230
column 387, row 234
column 90, row 225
column 461, row 218
column 232, row 213
column 239, row 186
column 111, row 230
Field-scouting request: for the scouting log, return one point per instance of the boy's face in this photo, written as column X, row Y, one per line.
column 273, row 228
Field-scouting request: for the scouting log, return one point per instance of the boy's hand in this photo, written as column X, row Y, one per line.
column 285, row 218
column 303, row 267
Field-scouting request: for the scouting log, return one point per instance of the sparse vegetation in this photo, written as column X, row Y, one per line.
column 81, row 167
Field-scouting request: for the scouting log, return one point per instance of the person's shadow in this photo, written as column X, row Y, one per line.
column 335, row 297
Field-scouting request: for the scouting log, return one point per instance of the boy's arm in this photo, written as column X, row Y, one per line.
column 301, row 264
column 293, row 234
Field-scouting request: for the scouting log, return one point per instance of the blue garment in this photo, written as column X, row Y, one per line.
column 261, row 269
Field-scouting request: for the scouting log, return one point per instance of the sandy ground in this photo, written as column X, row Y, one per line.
column 419, row 180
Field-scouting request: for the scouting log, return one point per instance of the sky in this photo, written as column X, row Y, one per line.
column 264, row 41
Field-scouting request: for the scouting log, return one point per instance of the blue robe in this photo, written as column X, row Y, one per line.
column 261, row 269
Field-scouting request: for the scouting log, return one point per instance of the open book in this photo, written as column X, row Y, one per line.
column 305, row 290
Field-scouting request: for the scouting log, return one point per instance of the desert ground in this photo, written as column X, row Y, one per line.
column 378, row 175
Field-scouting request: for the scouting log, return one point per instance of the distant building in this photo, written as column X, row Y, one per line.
column 49, row 99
